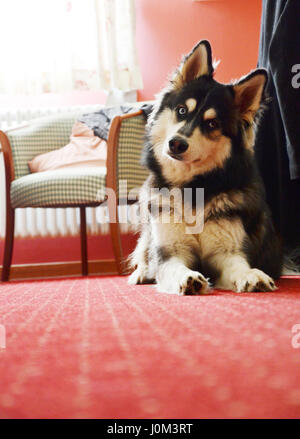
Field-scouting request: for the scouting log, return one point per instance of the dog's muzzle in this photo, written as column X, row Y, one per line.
column 177, row 146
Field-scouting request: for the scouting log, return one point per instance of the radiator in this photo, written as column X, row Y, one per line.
column 48, row 222
column 12, row 117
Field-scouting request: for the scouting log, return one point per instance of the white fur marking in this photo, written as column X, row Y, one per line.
column 175, row 278
column 237, row 275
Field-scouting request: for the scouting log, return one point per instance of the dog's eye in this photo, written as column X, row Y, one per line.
column 181, row 110
column 212, row 124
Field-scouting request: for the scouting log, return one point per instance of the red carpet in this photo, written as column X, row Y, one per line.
column 95, row 347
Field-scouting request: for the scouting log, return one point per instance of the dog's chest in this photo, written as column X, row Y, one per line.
column 221, row 236
column 214, row 233
column 178, row 222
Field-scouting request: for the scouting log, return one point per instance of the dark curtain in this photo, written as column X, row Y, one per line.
column 277, row 144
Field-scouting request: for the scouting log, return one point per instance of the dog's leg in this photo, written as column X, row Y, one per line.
column 139, row 260
column 174, row 277
column 177, row 256
column 237, row 275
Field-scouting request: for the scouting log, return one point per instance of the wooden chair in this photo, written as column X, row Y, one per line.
column 72, row 188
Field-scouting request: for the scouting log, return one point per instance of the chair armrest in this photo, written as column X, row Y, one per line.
column 8, row 163
column 113, row 149
column 5, row 148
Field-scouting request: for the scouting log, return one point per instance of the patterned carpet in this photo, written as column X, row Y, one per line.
column 98, row 348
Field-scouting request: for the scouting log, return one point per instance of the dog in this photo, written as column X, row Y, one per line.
column 201, row 134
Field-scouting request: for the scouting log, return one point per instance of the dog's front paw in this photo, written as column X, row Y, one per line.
column 254, row 280
column 184, row 282
column 193, row 283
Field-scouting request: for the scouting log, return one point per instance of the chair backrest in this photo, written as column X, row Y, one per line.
column 131, row 141
column 39, row 136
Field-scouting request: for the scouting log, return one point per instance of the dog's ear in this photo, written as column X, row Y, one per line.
column 197, row 63
column 248, row 94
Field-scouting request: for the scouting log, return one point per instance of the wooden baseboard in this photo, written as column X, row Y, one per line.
column 61, row 269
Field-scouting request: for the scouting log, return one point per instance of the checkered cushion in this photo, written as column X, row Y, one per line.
column 42, row 135
column 131, row 140
column 65, row 187
column 70, row 187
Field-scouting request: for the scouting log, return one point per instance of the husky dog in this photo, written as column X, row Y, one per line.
column 201, row 135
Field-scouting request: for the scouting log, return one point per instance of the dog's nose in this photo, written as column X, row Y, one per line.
column 178, row 145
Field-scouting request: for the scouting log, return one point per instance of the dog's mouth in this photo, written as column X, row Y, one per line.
column 175, row 156
column 195, row 162
column 180, row 158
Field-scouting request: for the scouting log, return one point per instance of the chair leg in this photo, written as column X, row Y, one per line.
column 83, row 241
column 9, row 243
column 117, row 246
column 115, row 234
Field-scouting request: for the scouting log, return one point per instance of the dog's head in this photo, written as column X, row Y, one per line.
column 196, row 118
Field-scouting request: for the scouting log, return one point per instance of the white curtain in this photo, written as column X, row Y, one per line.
column 63, row 45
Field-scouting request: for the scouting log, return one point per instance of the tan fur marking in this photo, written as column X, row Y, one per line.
column 249, row 137
column 223, row 201
column 210, row 114
column 221, row 236
column 191, row 104
column 211, row 153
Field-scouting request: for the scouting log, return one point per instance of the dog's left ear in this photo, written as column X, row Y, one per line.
column 197, row 63
column 248, row 93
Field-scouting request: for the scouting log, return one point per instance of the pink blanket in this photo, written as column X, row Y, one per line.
column 84, row 149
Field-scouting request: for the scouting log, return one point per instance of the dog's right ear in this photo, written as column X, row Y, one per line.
column 197, row 63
